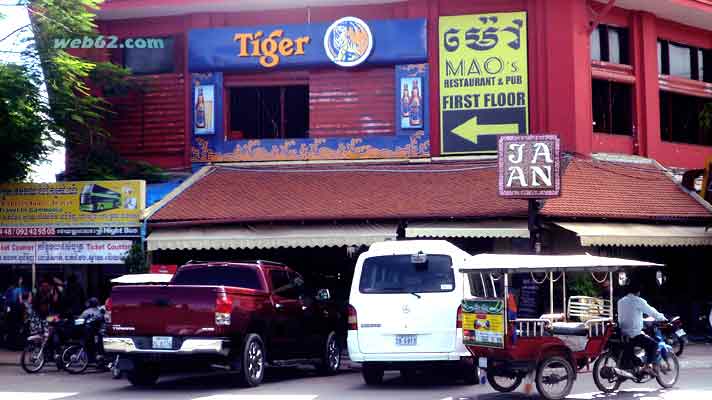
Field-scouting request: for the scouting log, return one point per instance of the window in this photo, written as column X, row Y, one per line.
column 680, row 117
column 684, row 61
column 610, row 44
column 153, row 60
column 244, row 277
column 612, row 107
column 398, row 274
column 282, row 284
column 269, row 112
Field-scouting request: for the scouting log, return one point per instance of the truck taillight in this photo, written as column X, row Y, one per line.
column 223, row 309
column 458, row 324
column 352, row 320
column 107, row 308
column 107, row 305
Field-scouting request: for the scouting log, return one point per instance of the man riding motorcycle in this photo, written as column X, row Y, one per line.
column 630, row 320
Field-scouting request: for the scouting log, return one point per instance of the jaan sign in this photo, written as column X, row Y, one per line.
column 529, row 166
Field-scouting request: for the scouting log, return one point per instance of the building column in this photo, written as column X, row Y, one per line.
column 644, row 39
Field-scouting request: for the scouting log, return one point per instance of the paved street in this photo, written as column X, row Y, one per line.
column 304, row 384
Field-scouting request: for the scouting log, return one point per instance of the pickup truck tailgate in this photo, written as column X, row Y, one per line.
column 164, row 310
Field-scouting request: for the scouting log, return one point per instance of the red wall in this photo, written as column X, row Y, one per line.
column 559, row 67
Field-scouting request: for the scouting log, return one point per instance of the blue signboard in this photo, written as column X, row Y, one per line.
column 345, row 42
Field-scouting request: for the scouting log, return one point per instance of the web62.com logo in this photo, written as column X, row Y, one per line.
column 108, row 42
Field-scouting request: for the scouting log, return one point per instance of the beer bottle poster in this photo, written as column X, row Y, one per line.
column 483, row 80
column 411, row 103
column 203, row 109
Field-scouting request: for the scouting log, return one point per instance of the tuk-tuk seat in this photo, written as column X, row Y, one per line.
column 570, row 328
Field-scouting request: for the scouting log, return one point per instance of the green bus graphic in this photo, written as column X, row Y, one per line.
column 95, row 198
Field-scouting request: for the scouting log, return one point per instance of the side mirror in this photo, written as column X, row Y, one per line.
column 622, row 279
column 660, row 278
column 298, row 282
column 323, row 294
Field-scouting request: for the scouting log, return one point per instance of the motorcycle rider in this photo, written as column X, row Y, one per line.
column 630, row 319
column 94, row 318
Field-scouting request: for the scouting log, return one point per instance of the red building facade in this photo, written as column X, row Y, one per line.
column 627, row 76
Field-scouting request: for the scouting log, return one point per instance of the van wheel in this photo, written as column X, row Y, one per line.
column 253, row 361
column 331, row 357
column 471, row 374
column 372, row 374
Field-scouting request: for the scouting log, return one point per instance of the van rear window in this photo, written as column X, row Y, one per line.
column 398, row 274
column 243, row 277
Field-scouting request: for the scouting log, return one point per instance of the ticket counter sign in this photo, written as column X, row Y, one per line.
column 95, row 208
column 483, row 322
column 483, row 80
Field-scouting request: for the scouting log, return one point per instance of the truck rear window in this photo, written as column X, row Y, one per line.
column 398, row 274
column 242, row 277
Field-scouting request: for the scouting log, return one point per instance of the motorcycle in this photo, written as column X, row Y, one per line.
column 622, row 361
column 77, row 357
column 674, row 335
column 42, row 346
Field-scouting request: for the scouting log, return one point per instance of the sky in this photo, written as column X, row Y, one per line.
column 16, row 17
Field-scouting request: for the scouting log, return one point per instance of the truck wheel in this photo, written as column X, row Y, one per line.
column 331, row 357
column 143, row 375
column 372, row 374
column 253, row 361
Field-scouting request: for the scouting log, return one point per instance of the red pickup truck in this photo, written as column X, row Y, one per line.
column 240, row 316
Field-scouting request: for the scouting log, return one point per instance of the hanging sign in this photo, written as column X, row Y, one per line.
column 65, row 252
column 483, row 322
column 529, row 166
column 483, row 80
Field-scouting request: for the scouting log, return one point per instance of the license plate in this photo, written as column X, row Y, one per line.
column 406, row 340
column 680, row 333
column 162, row 342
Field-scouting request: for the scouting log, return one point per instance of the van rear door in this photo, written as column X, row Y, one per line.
column 407, row 304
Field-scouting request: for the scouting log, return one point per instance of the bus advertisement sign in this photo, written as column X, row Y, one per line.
column 96, row 208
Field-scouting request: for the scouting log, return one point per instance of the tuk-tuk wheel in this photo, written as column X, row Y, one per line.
column 504, row 384
column 555, row 378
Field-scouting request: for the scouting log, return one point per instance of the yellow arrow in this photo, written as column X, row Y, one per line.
column 471, row 130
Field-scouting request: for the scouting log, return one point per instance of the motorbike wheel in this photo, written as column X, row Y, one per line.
column 503, row 384
column 604, row 377
column 677, row 344
column 75, row 359
column 32, row 359
column 550, row 375
column 668, row 371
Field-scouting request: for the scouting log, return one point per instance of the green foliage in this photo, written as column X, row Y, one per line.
column 24, row 134
column 583, row 285
column 135, row 260
column 706, row 117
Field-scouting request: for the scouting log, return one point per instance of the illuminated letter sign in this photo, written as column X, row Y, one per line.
column 269, row 48
column 529, row 166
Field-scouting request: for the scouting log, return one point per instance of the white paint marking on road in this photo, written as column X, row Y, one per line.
column 259, row 397
column 647, row 394
column 34, row 395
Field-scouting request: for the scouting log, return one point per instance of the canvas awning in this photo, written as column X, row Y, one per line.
column 517, row 263
column 482, row 229
column 623, row 234
column 269, row 236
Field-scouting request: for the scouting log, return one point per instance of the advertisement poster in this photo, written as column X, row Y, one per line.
column 483, row 322
column 65, row 252
column 483, row 80
column 96, row 208
column 204, row 109
column 411, row 103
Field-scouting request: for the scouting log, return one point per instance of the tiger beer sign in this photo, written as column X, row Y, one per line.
column 529, row 166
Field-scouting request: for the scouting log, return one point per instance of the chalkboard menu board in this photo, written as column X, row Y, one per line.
column 529, row 299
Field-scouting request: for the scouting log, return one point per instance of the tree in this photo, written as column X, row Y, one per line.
column 69, row 107
column 135, row 260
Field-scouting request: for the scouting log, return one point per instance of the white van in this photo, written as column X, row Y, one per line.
column 404, row 309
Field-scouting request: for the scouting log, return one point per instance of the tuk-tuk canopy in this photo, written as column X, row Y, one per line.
column 524, row 263
column 137, row 279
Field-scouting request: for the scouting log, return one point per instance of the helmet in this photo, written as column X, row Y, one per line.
column 93, row 302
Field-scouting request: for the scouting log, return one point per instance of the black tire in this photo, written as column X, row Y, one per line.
column 372, row 374
column 542, row 380
column 409, row 375
column 471, row 374
column 75, row 359
column 604, row 384
column 669, row 371
column 253, row 361
column 143, row 375
column 32, row 359
column 503, row 386
column 331, row 357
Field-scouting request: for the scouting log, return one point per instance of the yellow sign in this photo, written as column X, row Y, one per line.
column 483, row 80
column 99, row 208
column 483, row 322
column 269, row 48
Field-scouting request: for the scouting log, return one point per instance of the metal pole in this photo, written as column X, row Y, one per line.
column 551, row 292
column 506, row 302
column 563, row 283
column 532, row 211
column 610, row 287
column 34, row 277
